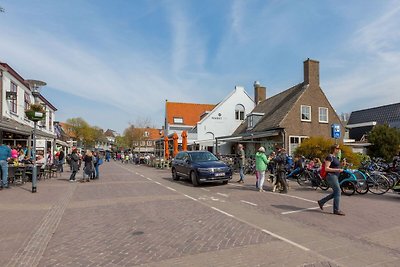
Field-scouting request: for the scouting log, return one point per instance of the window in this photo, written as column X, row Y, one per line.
column 253, row 119
column 305, row 113
column 149, row 143
column 178, row 120
column 323, row 114
column 142, row 143
column 27, row 101
column 146, row 134
column 13, row 102
column 239, row 112
column 136, row 143
column 294, row 142
column 50, row 120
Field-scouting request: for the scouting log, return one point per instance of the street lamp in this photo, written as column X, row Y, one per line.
column 34, row 85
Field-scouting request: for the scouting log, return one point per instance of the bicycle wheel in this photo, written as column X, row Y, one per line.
column 324, row 185
column 362, row 187
column 378, row 184
column 348, row 188
column 302, row 179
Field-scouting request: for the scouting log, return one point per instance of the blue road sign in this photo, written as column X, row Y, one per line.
column 335, row 133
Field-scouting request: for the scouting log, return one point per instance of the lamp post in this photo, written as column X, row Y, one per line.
column 34, row 86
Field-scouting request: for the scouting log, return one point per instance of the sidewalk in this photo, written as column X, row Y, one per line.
column 29, row 219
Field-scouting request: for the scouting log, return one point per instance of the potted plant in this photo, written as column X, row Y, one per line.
column 36, row 112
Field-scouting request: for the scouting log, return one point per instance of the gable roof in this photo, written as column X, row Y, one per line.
column 154, row 133
column 275, row 110
column 110, row 133
column 237, row 88
column 389, row 114
column 190, row 112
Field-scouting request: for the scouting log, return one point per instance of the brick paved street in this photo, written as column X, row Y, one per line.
column 139, row 216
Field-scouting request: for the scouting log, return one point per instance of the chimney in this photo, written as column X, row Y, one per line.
column 311, row 72
column 260, row 92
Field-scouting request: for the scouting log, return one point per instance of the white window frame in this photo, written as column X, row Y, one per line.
column 239, row 112
column 300, row 139
column 301, row 112
column 320, row 113
column 149, row 143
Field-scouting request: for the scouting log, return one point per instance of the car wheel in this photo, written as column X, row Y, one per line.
column 175, row 176
column 225, row 182
column 193, row 177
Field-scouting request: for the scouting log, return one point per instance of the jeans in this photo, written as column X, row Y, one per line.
column 96, row 169
column 333, row 181
column 4, row 171
column 241, row 173
column 261, row 178
column 294, row 172
column 72, row 177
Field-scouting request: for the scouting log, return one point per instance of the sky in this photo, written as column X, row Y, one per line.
column 115, row 62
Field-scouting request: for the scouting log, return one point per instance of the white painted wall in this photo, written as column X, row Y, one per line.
column 221, row 120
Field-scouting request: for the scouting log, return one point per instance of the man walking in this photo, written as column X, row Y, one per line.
column 5, row 155
column 242, row 161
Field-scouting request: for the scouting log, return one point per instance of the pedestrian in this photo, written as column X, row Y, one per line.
column 61, row 161
column 242, row 161
column 280, row 169
column 88, row 168
column 98, row 161
column 332, row 168
column 74, row 164
column 5, row 155
column 261, row 166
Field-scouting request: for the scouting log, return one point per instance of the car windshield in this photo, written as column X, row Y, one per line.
column 203, row 156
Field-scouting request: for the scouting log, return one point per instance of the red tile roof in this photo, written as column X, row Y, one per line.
column 189, row 112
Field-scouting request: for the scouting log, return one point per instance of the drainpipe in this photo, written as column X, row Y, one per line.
column 284, row 139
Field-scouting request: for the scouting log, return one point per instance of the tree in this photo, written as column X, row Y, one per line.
column 385, row 142
column 87, row 135
column 319, row 147
column 2, row 9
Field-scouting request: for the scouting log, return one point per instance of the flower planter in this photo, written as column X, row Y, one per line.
column 35, row 115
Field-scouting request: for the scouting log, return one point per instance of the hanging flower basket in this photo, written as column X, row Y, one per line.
column 35, row 112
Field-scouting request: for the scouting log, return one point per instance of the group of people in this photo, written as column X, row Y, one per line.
column 91, row 164
column 275, row 163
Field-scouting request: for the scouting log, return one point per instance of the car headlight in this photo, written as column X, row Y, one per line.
column 205, row 169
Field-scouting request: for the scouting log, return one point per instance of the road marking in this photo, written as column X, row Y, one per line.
column 223, row 212
column 285, row 240
column 294, row 211
column 286, row 195
column 171, row 188
column 192, row 198
column 158, row 183
column 205, row 189
column 149, row 179
column 224, row 195
column 250, row 203
column 236, row 184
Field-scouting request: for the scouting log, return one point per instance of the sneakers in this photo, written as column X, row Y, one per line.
column 240, row 182
column 321, row 206
column 261, row 190
column 339, row 212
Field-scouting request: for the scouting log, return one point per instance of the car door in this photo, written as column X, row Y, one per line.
column 178, row 162
column 186, row 165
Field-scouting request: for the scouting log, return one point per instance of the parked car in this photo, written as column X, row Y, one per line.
column 200, row 167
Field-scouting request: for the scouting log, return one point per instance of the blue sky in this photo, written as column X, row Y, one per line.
column 114, row 62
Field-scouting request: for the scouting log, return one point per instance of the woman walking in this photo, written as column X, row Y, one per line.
column 261, row 165
column 88, row 168
column 332, row 168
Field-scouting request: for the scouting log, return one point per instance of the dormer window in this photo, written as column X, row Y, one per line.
column 146, row 134
column 239, row 112
column 253, row 119
column 178, row 120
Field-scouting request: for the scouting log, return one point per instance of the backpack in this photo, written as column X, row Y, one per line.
column 322, row 171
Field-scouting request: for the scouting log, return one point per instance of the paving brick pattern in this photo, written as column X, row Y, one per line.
column 127, row 219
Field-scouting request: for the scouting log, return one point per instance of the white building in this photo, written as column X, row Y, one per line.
column 15, row 127
column 223, row 120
